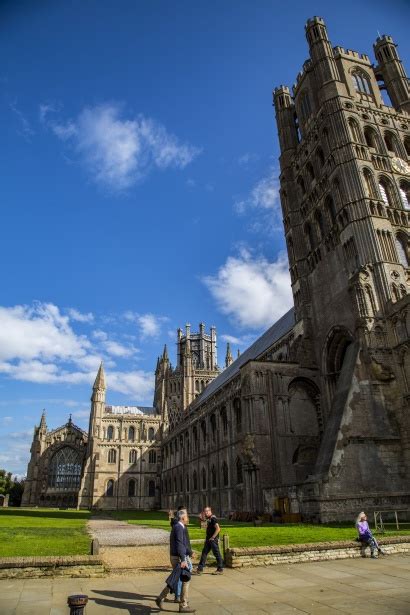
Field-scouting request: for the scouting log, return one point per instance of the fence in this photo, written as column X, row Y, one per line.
column 398, row 519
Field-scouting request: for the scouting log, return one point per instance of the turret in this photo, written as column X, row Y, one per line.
column 228, row 356
column 214, row 357
column 43, row 425
column 391, row 70
column 98, row 397
column 321, row 52
column 285, row 118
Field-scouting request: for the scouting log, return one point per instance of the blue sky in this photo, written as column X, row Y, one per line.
column 139, row 186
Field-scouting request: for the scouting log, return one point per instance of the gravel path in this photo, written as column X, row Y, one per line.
column 112, row 533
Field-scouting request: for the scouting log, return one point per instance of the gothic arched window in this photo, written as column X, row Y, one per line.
column 213, row 477
column 305, row 107
column 65, row 469
column 309, row 236
column 238, row 414
column 112, row 455
column 152, row 457
column 203, row 478
column 203, row 430
column 404, row 189
column 224, row 421
column 407, row 145
column 195, row 480
column 132, row 488
column 371, row 138
column 151, row 433
column 330, row 208
column 361, row 82
column 301, row 185
column 370, row 186
column 320, row 157
column 225, row 474
column 131, row 434
column 109, row 490
column 402, row 249
column 391, row 143
column 355, row 130
column 239, row 471
column 387, row 191
column 151, row 489
column 213, row 427
column 320, row 224
column 132, row 457
column 110, row 432
column 310, row 171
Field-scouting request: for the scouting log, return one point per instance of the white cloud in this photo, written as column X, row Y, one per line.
column 252, row 290
column 38, row 331
column 81, row 414
column 111, row 346
column 264, row 195
column 79, row 317
column 15, row 451
column 119, row 151
column 25, row 130
column 244, row 340
column 6, row 420
column 246, row 159
column 118, row 350
column 37, row 344
column 150, row 325
column 264, row 200
column 138, row 384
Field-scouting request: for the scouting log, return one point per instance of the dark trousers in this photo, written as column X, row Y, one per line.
column 211, row 545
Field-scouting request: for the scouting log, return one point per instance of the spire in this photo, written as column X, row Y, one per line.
column 228, row 356
column 70, row 421
column 239, row 353
column 100, row 379
column 43, row 424
column 165, row 354
column 188, row 347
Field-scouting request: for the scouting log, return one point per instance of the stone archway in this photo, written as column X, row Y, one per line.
column 337, row 343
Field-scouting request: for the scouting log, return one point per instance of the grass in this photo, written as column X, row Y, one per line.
column 246, row 535
column 43, row 531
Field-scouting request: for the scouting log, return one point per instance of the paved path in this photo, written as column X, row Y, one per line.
column 113, row 533
column 357, row 586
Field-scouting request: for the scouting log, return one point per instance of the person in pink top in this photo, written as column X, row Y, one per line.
column 366, row 537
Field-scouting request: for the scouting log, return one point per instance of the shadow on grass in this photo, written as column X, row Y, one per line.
column 45, row 513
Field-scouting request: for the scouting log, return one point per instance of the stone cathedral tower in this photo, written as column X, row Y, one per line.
column 345, row 194
column 176, row 388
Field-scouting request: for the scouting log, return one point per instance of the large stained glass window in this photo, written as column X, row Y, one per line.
column 65, row 469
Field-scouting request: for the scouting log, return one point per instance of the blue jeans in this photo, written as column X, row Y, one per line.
column 179, row 588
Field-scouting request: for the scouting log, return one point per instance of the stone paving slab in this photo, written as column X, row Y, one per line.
column 113, row 533
column 376, row 587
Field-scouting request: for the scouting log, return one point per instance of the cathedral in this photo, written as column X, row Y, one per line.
column 312, row 421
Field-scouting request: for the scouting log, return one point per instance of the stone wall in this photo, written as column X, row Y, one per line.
column 293, row 554
column 85, row 566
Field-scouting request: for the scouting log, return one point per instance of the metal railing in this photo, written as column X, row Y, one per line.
column 381, row 519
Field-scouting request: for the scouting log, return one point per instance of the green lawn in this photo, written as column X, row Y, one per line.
column 43, row 531
column 246, row 535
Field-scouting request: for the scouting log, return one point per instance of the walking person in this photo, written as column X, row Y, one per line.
column 180, row 553
column 174, row 520
column 366, row 537
column 211, row 541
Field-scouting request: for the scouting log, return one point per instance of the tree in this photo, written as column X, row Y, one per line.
column 16, row 492
column 5, row 482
